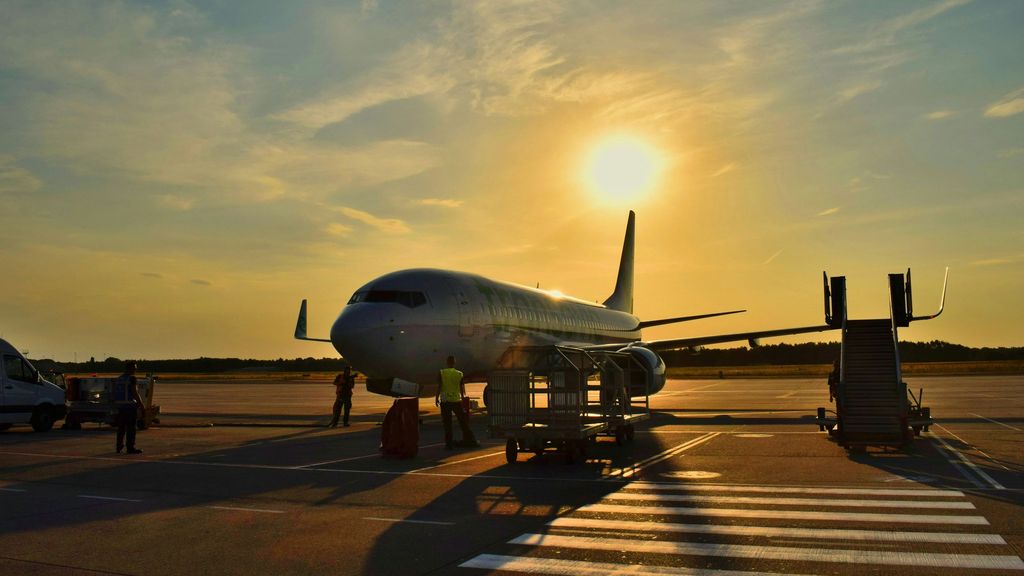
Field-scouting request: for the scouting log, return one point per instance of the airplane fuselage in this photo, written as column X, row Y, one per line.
column 404, row 324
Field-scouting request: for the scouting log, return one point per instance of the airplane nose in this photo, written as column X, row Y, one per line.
column 353, row 332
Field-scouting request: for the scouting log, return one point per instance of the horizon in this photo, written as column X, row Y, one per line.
column 178, row 177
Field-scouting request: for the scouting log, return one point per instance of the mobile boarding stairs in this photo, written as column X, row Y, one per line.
column 874, row 407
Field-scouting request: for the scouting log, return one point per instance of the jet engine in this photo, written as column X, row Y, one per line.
column 652, row 379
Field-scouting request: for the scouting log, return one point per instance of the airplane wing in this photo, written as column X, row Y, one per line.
column 678, row 343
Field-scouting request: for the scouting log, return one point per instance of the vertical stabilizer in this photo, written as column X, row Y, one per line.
column 622, row 298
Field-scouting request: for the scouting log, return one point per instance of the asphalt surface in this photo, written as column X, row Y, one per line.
column 729, row 476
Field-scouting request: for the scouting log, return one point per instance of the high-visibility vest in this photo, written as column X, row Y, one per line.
column 450, row 389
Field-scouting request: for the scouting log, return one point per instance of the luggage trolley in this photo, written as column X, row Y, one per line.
column 559, row 397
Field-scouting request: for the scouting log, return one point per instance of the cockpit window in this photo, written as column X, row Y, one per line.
column 407, row 299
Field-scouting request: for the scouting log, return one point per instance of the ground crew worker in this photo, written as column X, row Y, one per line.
column 129, row 408
column 833, row 380
column 450, row 392
column 343, row 385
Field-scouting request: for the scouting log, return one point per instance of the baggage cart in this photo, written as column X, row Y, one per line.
column 561, row 398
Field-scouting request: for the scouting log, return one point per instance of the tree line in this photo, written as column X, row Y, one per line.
column 769, row 354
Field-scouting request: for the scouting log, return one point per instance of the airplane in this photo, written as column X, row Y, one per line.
column 399, row 328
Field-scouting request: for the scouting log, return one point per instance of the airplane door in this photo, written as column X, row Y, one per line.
column 19, row 390
column 463, row 308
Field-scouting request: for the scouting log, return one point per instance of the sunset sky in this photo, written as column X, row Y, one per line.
column 176, row 177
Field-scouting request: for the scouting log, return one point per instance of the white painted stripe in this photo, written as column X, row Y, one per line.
column 108, row 498
column 768, row 501
column 664, row 455
column 694, row 487
column 12, row 490
column 976, row 449
column 241, row 509
column 351, row 458
column 981, row 473
column 561, row 567
column 776, row 532
column 997, row 422
column 406, row 521
column 787, row 514
column 833, row 555
column 491, row 455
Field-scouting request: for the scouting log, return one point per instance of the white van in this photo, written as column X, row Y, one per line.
column 25, row 397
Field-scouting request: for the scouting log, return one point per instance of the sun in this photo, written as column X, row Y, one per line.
column 622, row 168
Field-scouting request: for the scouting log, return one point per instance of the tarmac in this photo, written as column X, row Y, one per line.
column 728, row 477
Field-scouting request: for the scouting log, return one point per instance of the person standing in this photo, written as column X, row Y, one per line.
column 450, row 392
column 129, row 408
column 344, row 383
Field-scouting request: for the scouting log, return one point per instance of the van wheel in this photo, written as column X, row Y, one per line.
column 42, row 419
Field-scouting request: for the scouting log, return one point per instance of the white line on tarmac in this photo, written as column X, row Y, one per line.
column 787, row 514
column 981, row 473
column 789, row 395
column 793, row 489
column 12, row 490
column 767, row 501
column 774, row 532
column 832, row 555
column 976, row 449
column 491, row 455
column 661, row 456
column 996, row 422
column 108, row 498
column 583, row 568
column 242, row 509
column 406, row 521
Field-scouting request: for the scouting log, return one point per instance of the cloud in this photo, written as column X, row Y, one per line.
column 1011, row 105
column 338, row 229
column 725, row 169
column 201, row 282
column 859, row 89
column 772, row 257
column 998, row 261
column 829, row 211
column 386, row 225
column 15, row 179
column 176, row 202
column 940, row 114
column 443, row 202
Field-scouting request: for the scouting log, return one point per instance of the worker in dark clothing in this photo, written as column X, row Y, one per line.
column 450, row 392
column 343, row 385
column 129, row 408
column 833, row 380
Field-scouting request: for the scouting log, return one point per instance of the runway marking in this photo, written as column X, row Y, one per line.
column 242, row 509
column 790, row 395
column 407, row 521
column 662, row 456
column 786, row 514
column 976, row 449
column 491, row 455
column 772, row 531
column 831, row 555
column 12, row 490
column 996, row 422
column 764, row 501
column 981, row 473
column 705, row 387
column 795, row 489
column 583, row 568
column 91, row 497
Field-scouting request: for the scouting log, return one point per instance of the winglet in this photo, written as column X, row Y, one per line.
column 622, row 298
column 300, row 325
